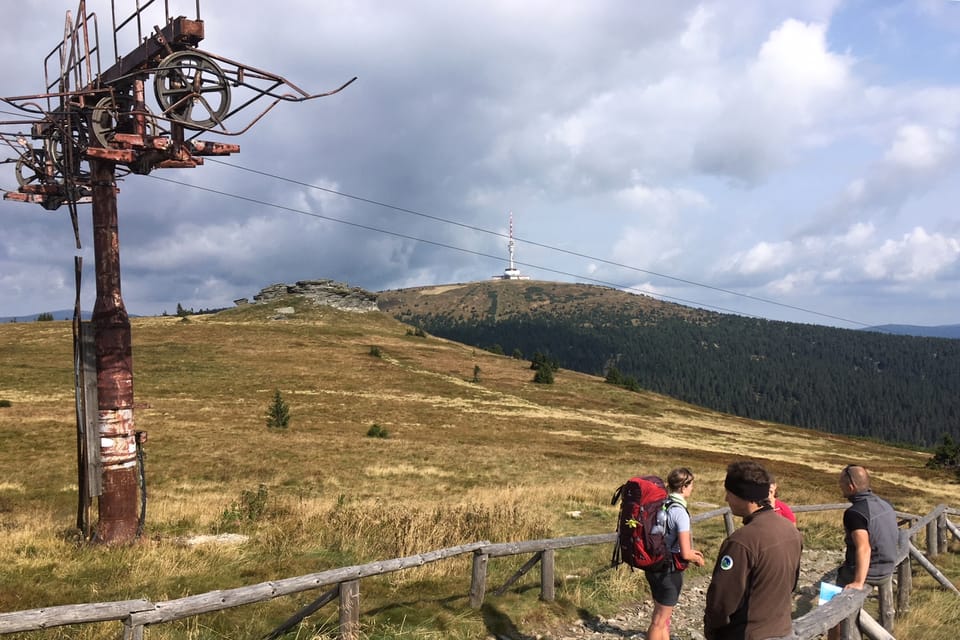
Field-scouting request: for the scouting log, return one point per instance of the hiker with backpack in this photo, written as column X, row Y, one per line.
column 654, row 535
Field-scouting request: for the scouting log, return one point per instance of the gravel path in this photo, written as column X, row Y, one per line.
column 687, row 624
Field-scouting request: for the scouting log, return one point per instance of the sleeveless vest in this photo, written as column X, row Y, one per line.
column 883, row 531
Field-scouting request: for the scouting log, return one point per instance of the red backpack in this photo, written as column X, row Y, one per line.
column 638, row 543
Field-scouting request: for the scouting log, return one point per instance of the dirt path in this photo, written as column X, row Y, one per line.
column 687, row 624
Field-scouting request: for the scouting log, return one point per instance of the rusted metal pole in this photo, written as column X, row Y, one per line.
column 117, row 506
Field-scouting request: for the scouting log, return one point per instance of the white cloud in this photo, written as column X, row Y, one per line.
column 858, row 235
column 775, row 104
column 796, row 73
column 920, row 148
column 763, row 257
column 797, row 281
column 659, row 202
column 916, row 257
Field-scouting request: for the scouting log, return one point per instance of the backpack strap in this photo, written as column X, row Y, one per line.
column 674, row 558
column 617, row 493
column 667, row 505
column 616, row 559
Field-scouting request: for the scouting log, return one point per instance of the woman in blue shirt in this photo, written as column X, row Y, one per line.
column 666, row 585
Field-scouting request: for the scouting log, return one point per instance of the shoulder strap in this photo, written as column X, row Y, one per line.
column 668, row 504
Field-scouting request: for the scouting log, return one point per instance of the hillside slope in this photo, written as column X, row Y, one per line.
column 499, row 300
column 895, row 388
column 475, row 451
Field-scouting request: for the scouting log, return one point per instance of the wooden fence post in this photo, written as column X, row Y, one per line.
column 546, row 576
column 886, row 605
column 942, row 532
column 849, row 629
column 932, row 537
column 904, row 585
column 349, row 610
column 478, row 579
column 872, row 629
column 728, row 522
column 132, row 631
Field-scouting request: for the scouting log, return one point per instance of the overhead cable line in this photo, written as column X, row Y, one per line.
column 447, row 246
column 542, row 245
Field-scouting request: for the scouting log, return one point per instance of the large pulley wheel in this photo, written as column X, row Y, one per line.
column 110, row 116
column 192, row 90
column 31, row 168
column 64, row 149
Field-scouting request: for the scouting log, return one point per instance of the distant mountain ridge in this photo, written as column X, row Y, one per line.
column 59, row 314
column 940, row 331
column 864, row 383
column 951, row 331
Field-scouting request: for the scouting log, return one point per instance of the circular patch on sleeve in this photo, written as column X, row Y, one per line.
column 726, row 563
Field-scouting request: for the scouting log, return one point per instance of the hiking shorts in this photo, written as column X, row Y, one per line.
column 665, row 586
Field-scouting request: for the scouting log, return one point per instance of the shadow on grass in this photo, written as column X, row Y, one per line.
column 500, row 625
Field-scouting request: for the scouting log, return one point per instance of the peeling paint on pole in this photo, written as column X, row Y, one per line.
column 117, row 505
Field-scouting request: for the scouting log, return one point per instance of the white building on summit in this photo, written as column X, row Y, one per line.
column 511, row 272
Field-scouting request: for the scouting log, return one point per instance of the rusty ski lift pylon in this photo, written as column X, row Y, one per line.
column 144, row 112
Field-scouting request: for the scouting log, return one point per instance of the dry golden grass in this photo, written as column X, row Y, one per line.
column 501, row 459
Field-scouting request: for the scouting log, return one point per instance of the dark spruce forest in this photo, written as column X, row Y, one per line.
column 899, row 389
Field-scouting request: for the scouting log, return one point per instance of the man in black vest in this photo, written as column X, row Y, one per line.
column 871, row 534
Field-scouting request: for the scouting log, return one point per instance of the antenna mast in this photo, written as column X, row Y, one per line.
column 511, row 244
column 511, row 272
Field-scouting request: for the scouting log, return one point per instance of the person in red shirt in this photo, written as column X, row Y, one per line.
column 778, row 505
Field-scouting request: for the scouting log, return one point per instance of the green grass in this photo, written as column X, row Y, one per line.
column 502, row 459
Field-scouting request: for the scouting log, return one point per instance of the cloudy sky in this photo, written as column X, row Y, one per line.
column 789, row 160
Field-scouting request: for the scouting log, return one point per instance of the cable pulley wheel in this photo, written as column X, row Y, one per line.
column 192, row 90
column 108, row 117
column 31, row 168
column 104, row 119
column 64, row 148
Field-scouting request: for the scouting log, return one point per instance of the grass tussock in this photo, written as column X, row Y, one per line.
column 498, row 459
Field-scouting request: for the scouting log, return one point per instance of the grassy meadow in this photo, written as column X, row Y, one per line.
column 499, row 459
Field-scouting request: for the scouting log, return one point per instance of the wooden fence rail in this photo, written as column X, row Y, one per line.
column 136, row 615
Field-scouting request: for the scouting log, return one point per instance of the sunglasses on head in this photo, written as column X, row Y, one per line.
column 846, row 471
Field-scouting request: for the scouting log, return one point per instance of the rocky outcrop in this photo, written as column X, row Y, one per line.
column 324, row 293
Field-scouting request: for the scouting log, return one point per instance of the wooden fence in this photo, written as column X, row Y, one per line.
column 845, row 608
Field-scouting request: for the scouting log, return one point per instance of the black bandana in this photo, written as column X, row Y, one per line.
column 750, row 491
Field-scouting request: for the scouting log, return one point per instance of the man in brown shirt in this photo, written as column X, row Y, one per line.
column 751, row 592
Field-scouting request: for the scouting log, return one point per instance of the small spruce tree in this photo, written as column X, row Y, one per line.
column 614, row 376
column 946, row 455
column 544, row 374
column 278, row 415
column 376, row 431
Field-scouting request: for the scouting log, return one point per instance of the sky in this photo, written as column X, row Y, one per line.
column 787, row 160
